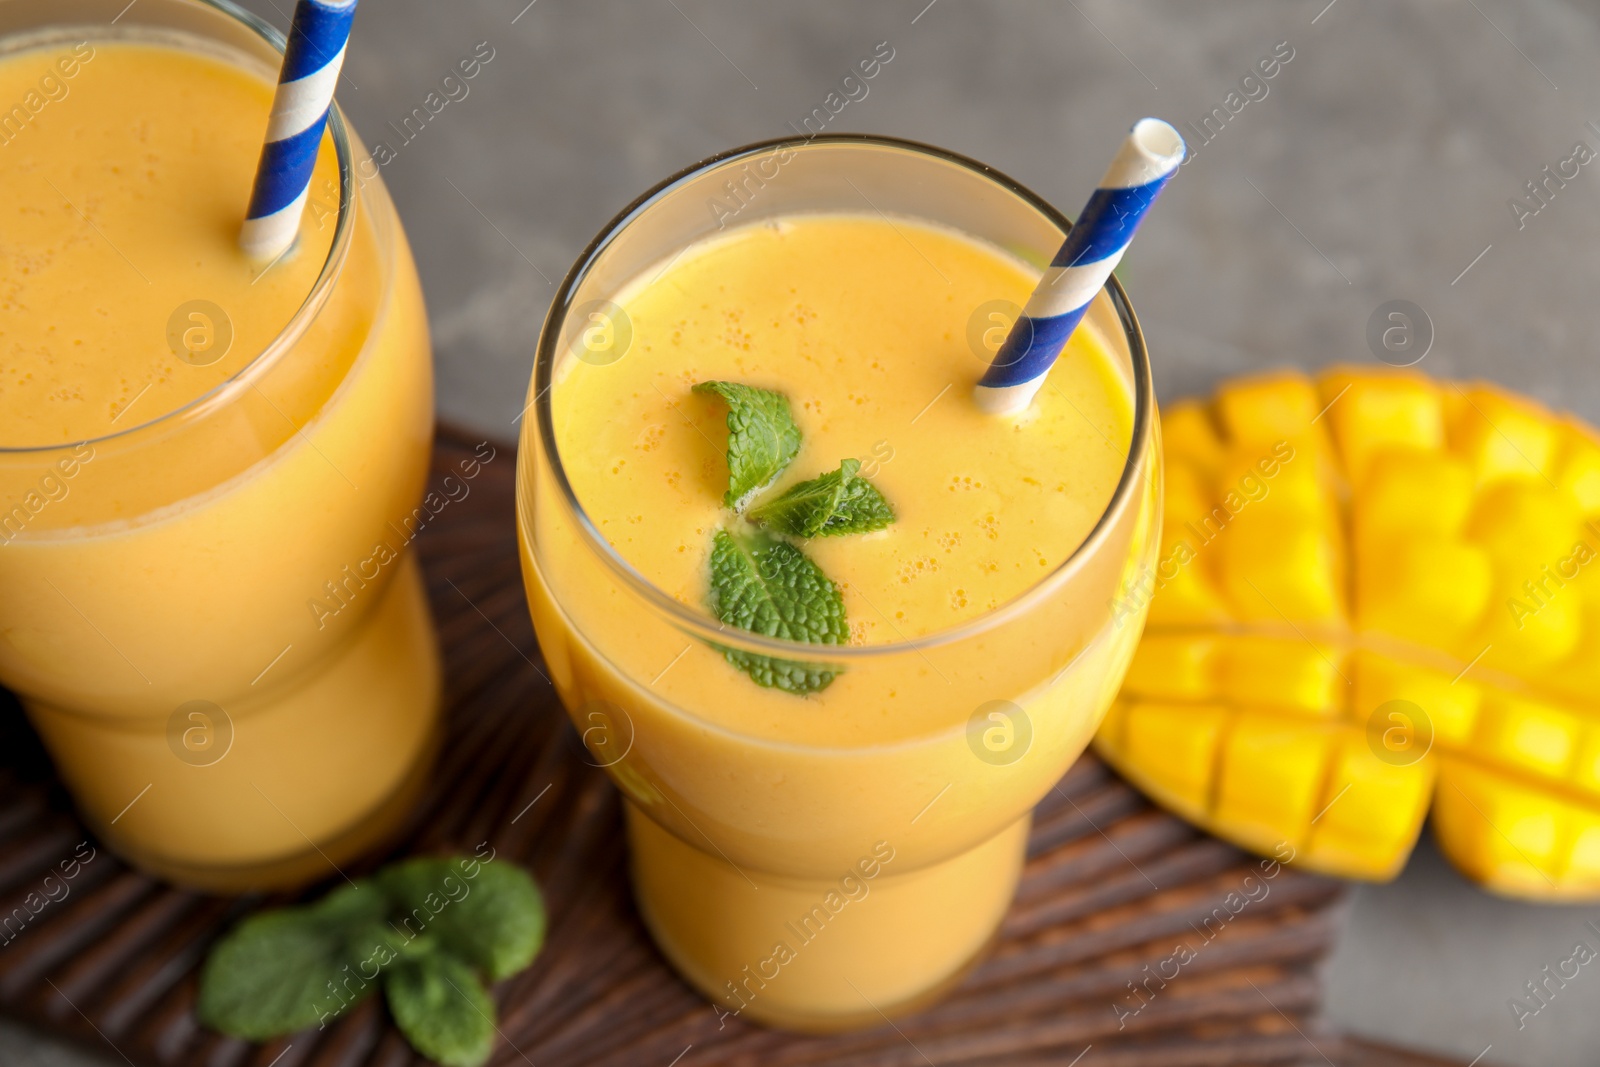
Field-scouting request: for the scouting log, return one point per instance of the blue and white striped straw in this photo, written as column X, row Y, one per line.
column 1147, row 159
column 311, row 65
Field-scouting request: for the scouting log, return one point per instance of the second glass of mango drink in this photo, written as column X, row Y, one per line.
column 208, row 471
column 812, row 855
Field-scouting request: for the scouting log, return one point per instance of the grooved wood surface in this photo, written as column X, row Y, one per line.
column 1112, row 885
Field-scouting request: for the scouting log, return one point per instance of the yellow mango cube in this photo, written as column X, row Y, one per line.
column 1408, row 491
column 1448, row 705
column 1271, row 778
column 1187, row 435
column 1526, row 526
column 1276, row 475
column 1496, row 830
column 1176, row 745
column 1500, row 435
column 1579, row 476
column 1579, row 674
column 1172, row 667
column 1421, row 588
column 1381, row 412
column 1580, row 876
column 1371, row 811
column 1186, row 595
column 1267, row 408
column 1108, row 739
column 1281, row 570
column 1584, row 773
column 1255, row 671
column 1526, row 734
column 1529, row 624
column 1186, row 495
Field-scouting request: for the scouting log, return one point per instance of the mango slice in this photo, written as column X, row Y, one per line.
column 1375, row 599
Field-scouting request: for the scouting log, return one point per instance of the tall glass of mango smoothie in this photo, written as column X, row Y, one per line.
column 209, row 468
column 832, row 630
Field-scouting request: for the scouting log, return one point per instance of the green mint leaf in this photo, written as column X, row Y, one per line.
column 762, row 438
column 839, row 502
column 769, row 587
column 289, row 969
column 489, row 914
column 791, row 676
column 442, row 1008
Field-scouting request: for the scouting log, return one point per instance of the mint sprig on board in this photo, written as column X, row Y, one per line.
column 759, row 581
column 442, row 1008
column 498, row 927
column 272, row 974
column 428, row 931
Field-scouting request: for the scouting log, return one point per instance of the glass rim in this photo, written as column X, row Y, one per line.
column 308, row 309
column 703, row 625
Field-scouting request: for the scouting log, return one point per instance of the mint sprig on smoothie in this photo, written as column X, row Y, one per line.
column 761, row 582
column 768, row 586
column 762, row 438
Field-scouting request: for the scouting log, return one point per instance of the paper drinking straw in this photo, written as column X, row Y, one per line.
column 1148, row 157
column 311, row 65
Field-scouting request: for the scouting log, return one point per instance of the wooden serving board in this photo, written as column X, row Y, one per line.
column 1112, row 886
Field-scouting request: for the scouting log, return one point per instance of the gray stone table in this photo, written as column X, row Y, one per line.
column 1378, row 166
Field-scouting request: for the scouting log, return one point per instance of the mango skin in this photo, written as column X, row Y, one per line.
column 1378, row 594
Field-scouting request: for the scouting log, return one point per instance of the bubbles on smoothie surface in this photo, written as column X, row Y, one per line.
column 844, row 315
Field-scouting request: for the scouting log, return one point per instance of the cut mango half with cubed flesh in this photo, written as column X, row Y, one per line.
column 1377, row 595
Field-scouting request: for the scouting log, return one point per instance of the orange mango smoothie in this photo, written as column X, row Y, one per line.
column 207, row 469
column 811, row 860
